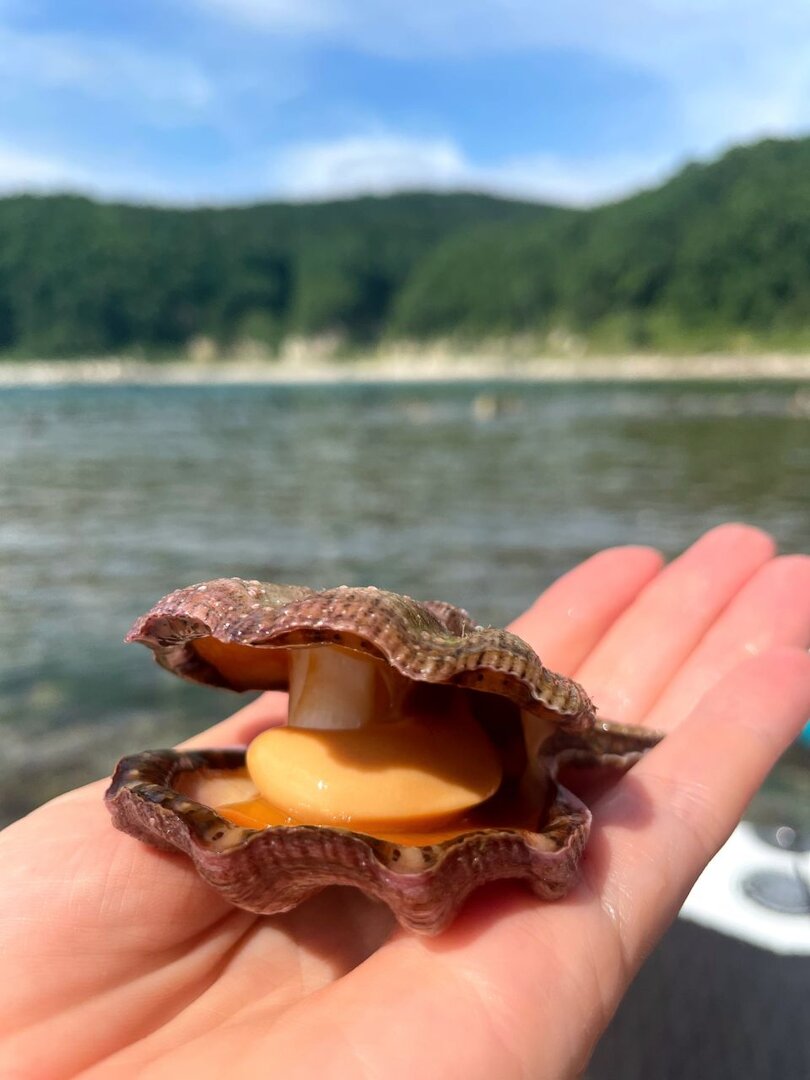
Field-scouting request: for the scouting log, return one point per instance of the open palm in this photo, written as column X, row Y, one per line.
column 119, row 961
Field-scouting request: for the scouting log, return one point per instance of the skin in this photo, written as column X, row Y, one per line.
column 119, row 962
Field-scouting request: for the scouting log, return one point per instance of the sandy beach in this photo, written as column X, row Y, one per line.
column 405, row 368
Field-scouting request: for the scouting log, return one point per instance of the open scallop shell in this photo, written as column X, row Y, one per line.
column 273, row 869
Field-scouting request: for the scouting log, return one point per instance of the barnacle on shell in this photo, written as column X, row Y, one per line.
column 419, row 760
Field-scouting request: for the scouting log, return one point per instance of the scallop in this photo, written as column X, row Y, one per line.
column 419, row 760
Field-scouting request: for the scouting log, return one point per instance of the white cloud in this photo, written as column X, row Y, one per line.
column 385, row 162
column 641, row 29
column 280, row 15
column 26, row 170
column 168, row 87
column 375, row 163
column 576, row 182
column 736, row 69
column 21, row 170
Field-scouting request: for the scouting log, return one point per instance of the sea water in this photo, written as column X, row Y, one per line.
column 477, row 493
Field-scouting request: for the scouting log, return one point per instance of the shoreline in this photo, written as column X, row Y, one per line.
column 404, row 369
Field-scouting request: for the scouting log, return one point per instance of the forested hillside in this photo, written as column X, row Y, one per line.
column 717, row 257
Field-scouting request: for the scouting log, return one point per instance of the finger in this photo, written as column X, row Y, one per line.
column 630, row 669
column 772, row 609
column 267, row 710
column 492, row 971
column 571, row 616
column 692, row 790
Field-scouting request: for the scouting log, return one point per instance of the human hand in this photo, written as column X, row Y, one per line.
column 120, row 961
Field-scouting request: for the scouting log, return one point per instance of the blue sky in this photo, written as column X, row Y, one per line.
column 231, row 100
